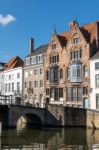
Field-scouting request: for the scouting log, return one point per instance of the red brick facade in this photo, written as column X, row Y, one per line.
column 67, row 70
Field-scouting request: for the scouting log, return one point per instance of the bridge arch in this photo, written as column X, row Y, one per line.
column 29, row 119
column 34, row 117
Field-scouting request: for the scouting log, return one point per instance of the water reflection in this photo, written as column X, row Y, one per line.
column 50, row 139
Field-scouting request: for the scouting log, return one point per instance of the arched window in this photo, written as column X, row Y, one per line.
column 85, row 71
column 61, row 73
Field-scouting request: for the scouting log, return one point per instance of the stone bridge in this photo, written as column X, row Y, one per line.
column 52, row 115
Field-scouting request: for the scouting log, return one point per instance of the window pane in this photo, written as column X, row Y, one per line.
column 97, row 101
column 97, row 80
column 68, row 94
column 97, row 65
column 79, row 93
column 60, row 92
column 74, row 93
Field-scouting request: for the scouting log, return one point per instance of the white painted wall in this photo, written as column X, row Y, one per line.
column 94, row 90
column 14, row 79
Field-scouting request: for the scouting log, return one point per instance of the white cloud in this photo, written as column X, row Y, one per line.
column 5, row 20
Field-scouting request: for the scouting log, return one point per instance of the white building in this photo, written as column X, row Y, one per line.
column 13, row 79
column 94, row 82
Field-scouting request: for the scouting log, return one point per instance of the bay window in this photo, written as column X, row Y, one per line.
column 76, row 73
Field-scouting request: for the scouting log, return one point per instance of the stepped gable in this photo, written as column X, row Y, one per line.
column 89, row 32
column 14, row 63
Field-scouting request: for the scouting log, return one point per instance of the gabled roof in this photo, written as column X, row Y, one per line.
column 40, row 50
column 96, row 56
column 88, row 31
column 62, row 40
column 14, row 63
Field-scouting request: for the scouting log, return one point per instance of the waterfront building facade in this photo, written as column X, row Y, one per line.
column 13, row 74
column 67, row 67
column 34, row 86
column 94, row 81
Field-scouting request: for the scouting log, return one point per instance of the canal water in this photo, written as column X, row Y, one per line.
column 50, row 139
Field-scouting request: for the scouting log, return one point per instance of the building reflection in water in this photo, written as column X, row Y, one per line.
column 50, row 139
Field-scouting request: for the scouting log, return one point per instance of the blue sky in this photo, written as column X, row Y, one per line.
column 22, row 19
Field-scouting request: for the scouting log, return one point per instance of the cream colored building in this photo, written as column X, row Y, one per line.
column 34, row 86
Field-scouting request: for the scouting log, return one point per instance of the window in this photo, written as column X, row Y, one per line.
column 76, row 54
column 25, row 84
column 30, row 73
column 97, row 65
column 36, row 72
column 60, row 92
column 76, row 40
column 12, row 87
column 9, row 77
column 57, row 58
column 80, row 92
column 69, row 94
column 41, row 83
column 9, row 87
column 54, row 74
column 97, row 80
column 30, row 84
column 18, row 86
column 47, row 75
column 36, row 59
column 18, row 75
column 85, row 90
column 27, row 61
column 54, row 93
column 47, row 91
column 41, row 71
column 76, row 73
column 85, row 71
column 26, row 74
column 61, row 74
column 40, row 59
column 54, row 59
column 33, row 60
column 80, row 53
column 97, row 101
column 6, row 86
column 53, row 46
column 35, row 84
column 68, row 73
column 74, row 93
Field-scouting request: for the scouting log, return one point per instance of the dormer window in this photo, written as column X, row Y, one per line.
column 53, row 46
column 27, row 61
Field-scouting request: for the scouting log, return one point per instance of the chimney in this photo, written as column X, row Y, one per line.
column 31, row 45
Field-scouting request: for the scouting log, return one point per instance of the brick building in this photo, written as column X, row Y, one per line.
column 34, row 89
column 67, row 67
